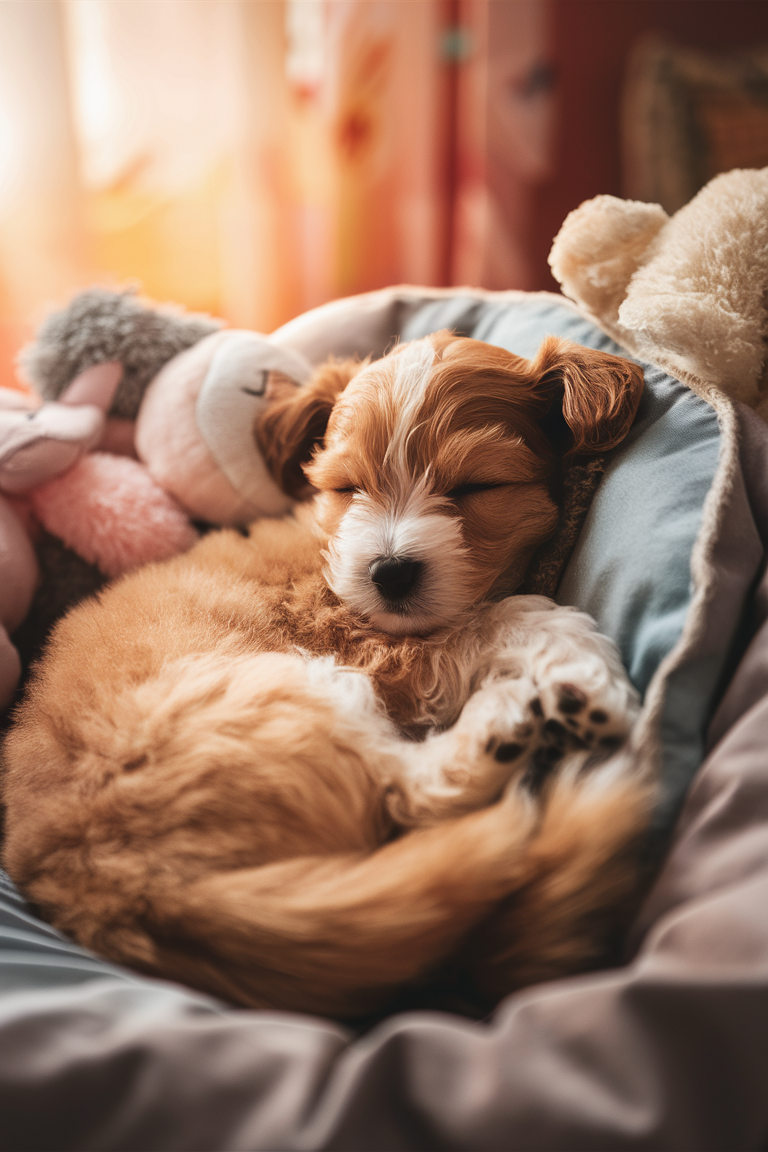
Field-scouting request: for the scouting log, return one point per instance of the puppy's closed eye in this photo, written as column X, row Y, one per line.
column 462, row 490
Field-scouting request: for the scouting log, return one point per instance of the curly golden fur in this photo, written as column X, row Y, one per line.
column 226, row 774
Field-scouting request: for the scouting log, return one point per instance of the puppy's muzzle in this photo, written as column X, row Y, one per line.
column 395, row 577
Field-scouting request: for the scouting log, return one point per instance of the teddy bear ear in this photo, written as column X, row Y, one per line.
column 600, row 246
column 598, row 394
column 294, row 423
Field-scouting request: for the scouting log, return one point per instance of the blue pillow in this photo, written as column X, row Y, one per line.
column 631, row 568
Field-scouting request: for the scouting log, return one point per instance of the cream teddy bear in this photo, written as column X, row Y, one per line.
column 692, row 287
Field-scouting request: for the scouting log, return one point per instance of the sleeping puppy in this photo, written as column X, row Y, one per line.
column 308, row 768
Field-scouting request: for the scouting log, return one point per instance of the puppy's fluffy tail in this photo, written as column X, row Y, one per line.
column 585, row 875
column 340, row 935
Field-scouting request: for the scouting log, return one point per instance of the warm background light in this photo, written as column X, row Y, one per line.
column 254, row 158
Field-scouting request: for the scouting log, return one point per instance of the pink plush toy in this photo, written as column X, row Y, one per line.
column 109, row 510
column 105, row 507
column 174, row 390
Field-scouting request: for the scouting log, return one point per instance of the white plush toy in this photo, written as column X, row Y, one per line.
column 692, row 288
column 194, row 429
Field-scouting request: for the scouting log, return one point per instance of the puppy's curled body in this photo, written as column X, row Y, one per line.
column 225, row 775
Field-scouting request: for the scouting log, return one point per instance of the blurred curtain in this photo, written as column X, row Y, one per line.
column 254, row 158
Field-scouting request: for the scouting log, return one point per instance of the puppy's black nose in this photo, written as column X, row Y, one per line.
column 395, row 578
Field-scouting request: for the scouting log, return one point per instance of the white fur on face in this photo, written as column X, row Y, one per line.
column 412, row 526
column 407, row 395
column 404, row 521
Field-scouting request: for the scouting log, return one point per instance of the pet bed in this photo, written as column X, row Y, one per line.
column 665, row 1051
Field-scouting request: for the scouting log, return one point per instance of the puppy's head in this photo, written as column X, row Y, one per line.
column 436, row 466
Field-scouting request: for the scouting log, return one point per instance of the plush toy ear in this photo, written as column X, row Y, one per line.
column 599, row 247
column 296, row 419
column 96, row 385
column 597, row 393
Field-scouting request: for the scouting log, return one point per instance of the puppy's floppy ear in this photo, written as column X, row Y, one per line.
column 296, row 419
column 596, row 392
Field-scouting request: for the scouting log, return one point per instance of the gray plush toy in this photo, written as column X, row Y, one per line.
column 180, row 391
column 101, row 326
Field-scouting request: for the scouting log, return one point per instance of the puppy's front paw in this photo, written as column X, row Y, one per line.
column 505, row 726
column 471, row 763
column 587, row 705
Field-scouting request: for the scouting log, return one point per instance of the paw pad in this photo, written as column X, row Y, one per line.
column 571, row 699
column 611, row 743
column 554, row 728
column 505, row 753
